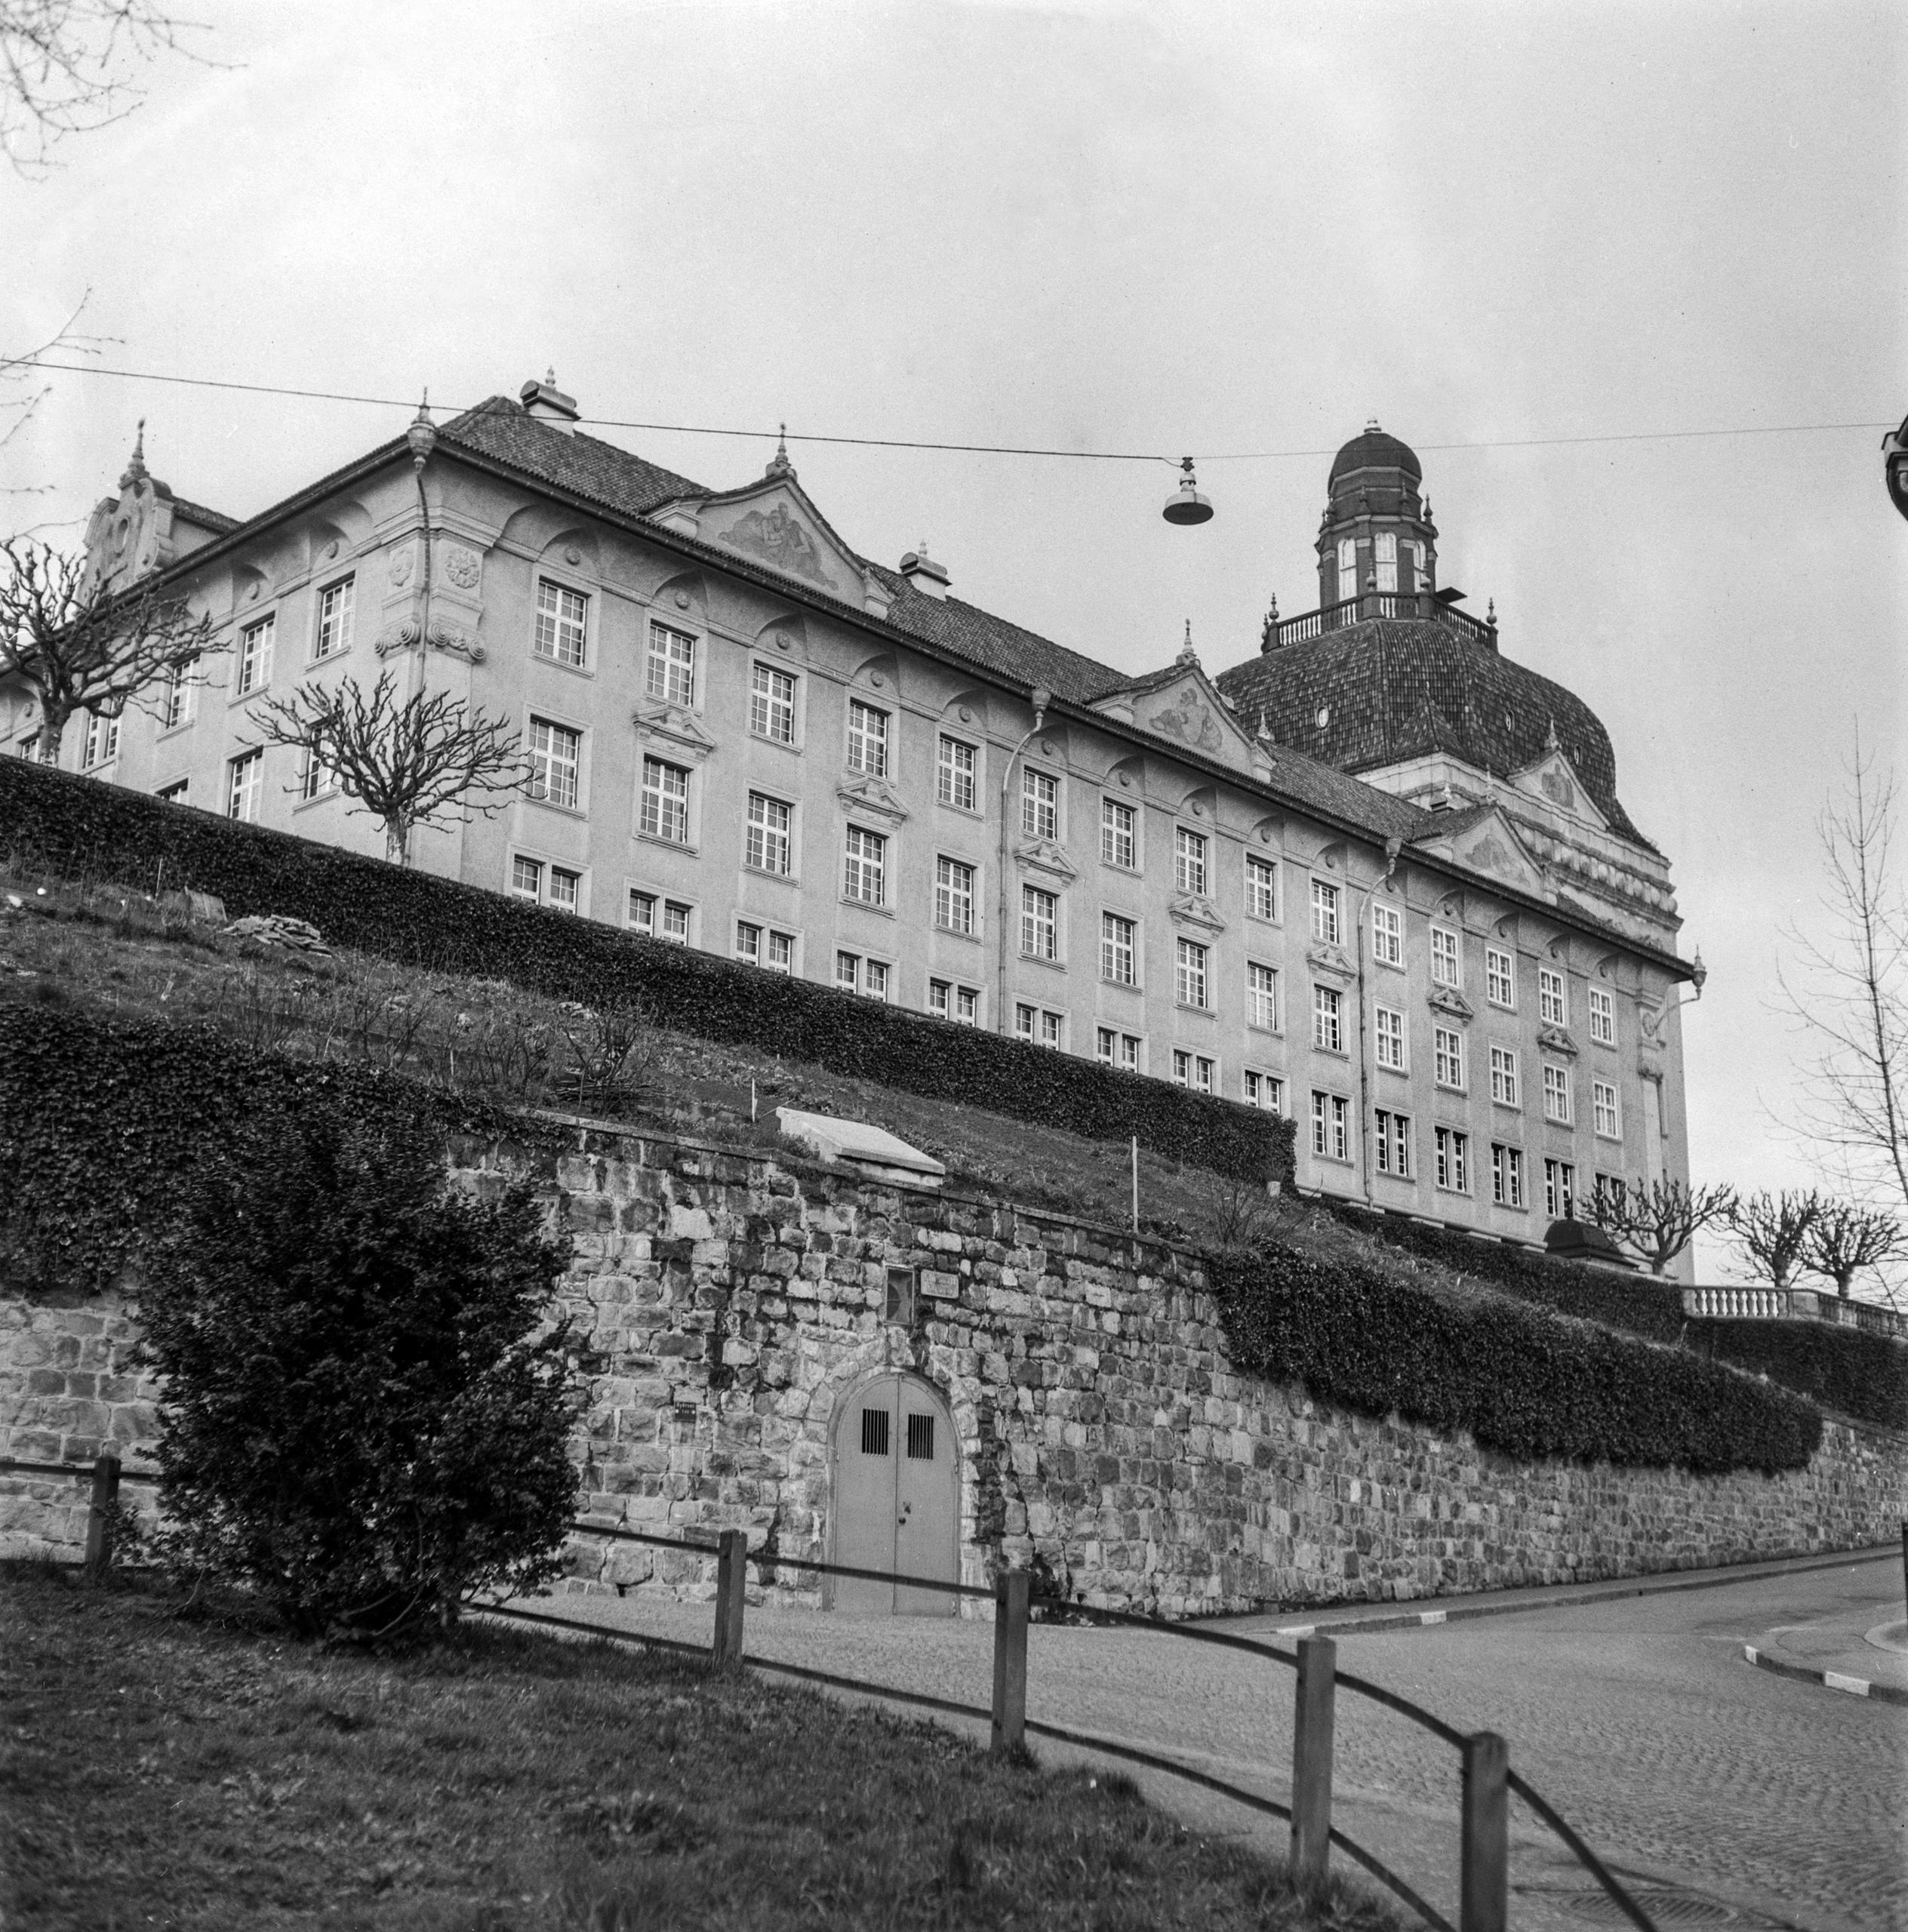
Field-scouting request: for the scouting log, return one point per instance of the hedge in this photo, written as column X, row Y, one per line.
column 1862, row 1375
column 84, row 826
column 1524, row 1381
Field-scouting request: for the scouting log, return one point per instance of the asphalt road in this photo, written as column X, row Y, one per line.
column 1731, row 1796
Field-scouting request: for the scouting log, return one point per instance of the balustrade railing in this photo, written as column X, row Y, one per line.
column 1767, row 1304
column 1417, row 604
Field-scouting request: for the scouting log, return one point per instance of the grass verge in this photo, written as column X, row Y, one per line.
column 166, row 1767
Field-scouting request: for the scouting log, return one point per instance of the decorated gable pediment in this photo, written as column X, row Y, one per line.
column 1553, row 779
column 1491, row 848
column 1186, row 711
column 773, row 524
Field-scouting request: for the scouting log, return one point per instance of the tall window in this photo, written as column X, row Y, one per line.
column 867, row 739
column 1560, row 1190
column 954, row 773
column 1603, row 1017
column 1552, row 1006
column 102, row 740
column 1444, row 966
column 659, row 918
column 334, row 618
column 1454, row 1153
column 1117, row 948
column 315, row 777
column 1039, row 923
column 1387, row 935
column 1507, row 1176
column 255, row 655
column 1325, row 912
column 1189, row 861
column 671, row 673
column 1384, row 557
column 1116, row 1049
column 1449, row 1046
column 245, row 786
column 1261, row 887
column 1328, row 1019
column 771, row 704
column 1332, row 1139
column 556, row 764
column 953, row 895
column 1265, row 1091
column 1039, row 804
column 563, row 628
column 864, row 872
column 1499, row 977
column 1503, row 1076
column 1261, row 996
column 1197, row 1071
column 175, row 702
column 1556, row 1093
column 1118, row 844
column 771, row 846
column 666, row 801
column 1608, row 1121
column 1347, row 569
column 1388, row 1031
column 1190, row 973
column 1392, row 1143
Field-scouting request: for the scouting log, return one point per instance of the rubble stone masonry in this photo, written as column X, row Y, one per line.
column 735, row 1297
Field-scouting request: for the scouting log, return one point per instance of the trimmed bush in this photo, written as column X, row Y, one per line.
column 1524, row 1381
column 1864, row 1375
column 84, row 826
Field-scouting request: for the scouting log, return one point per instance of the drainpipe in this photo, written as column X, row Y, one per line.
column 1041, row 698
column 1362, row 939
column 422, row 436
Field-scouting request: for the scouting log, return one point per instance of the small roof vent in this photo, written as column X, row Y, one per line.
column 548, row 403
column 928, row 577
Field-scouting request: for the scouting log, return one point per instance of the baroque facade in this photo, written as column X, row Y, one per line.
column 1377, row 877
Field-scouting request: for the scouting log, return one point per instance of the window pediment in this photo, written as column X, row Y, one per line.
column 1448, row 999
column 863, row 792
column 1332, row 960
column 1044, row 855
column 1195, row 909
column 672, row 726
column 1556, row 1040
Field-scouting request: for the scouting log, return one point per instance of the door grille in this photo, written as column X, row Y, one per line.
column 874, row 1432
column 920, row 1438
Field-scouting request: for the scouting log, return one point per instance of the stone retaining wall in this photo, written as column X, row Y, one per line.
column 1103, row 1436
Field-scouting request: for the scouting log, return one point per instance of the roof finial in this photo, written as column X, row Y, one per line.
column 549, row 375
column 1371, row 426
column 136, row 464
column 1550, row 737
column 1187, row 655
column 779, row 464
column 1265, row 736
column 1490, row 614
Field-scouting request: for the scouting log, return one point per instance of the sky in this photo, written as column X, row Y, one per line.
column 1236, row 233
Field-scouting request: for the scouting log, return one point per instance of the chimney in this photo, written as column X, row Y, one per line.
column 928, row 577
column 548, row 403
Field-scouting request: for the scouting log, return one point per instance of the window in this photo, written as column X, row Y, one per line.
column 1506, row 1176
column 1560, row 1190
column 1347, row 569
column 315, row 778
column 953, row 896
column 334, row 616
column 1444, row 967
column 1325, row 912
column 1607, row 1120
column 1119, row 839
column 1328, row 1019
column 562, row 628
column 1499, row 977
column 246, row 786
column 665, row 801
column 1261, row 996
column 566, row 889
column 1039, row 804
column 556, row 764
column 1331, row 1127
column 781, row 952
column 1190, row 973
column 1117, row 948
column 748, row 942
column 176, row 793
column 1389, row 1027
column 1189, row 862
column 175, row 702
column 1603, row 1017
column 255, row 655
column 770, row 843
column 771, row 704
column 1448, row 1046
column 1039, row 1026
column 853, row 974
column 1503, row 1076
column 1556, row 1093
column 1387, row 935
column 526, row 877
column 874, row 979
column 1454, row 1155
column 956, row 775
column 1265, row 1091
column 1117, row 1049
column 102, row 744
column 1610, row 1190
column 1194, row 1070
column 1039, row 923
column 672, row 675
column 1420, row 577
column 1552, row 1004
column 29, row 747
column 1391, row 1144
column 659, row 918
column 867, row 739
column 1261, row 887
column 865, row 867
column 1384, row 554
column 948, row 1001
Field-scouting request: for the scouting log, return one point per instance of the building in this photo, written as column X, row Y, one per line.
column 1377, row 877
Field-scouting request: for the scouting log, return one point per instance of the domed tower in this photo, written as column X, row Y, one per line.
column 1376, row 536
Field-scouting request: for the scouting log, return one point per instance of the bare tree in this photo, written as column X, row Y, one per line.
column 1772, row 1230
column 403, row 760
column 1846, row 1237
column 1661, row 1220
column 79, row 645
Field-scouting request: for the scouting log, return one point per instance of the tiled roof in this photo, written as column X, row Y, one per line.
column 581, row 464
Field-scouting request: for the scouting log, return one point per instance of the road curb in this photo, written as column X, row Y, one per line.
column 1831, row 1680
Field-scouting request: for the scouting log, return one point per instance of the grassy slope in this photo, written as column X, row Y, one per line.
column 165, row 1769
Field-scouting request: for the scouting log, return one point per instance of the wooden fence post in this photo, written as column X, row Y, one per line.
column 1485, row 1906
column 731, row 1577
column 1011, row 1589
column 99, row 1515
column 1317, row 1667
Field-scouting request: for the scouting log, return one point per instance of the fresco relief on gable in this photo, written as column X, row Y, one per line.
column 1190, row 722
column 1557, row 788
column 780, row 542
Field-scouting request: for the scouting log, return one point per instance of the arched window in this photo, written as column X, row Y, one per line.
column 1347, row 569
column 1386, row 553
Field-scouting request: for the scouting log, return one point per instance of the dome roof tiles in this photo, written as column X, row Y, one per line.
column 1373, row 450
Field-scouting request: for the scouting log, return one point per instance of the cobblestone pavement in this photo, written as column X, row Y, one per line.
column 1752, row 1797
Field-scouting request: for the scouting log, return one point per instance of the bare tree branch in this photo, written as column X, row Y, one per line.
column 1772, row 1230
column 1660, row 1221
column 403, row 761
column 1844, row 1238
column 21, row 390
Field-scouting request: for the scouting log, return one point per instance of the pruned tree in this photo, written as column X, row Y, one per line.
column 402, row 760
column 1845, row 1238
column 79, row 645
column 1773, row 1230
column 1661, row 1220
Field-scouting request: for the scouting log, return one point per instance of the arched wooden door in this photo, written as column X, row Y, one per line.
column 896, row 1490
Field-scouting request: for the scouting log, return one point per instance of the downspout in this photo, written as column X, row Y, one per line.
column 1041, row 698
column 1362, row 940
column 422, row 436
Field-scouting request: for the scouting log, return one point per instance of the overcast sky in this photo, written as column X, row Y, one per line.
column 1195, row 229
